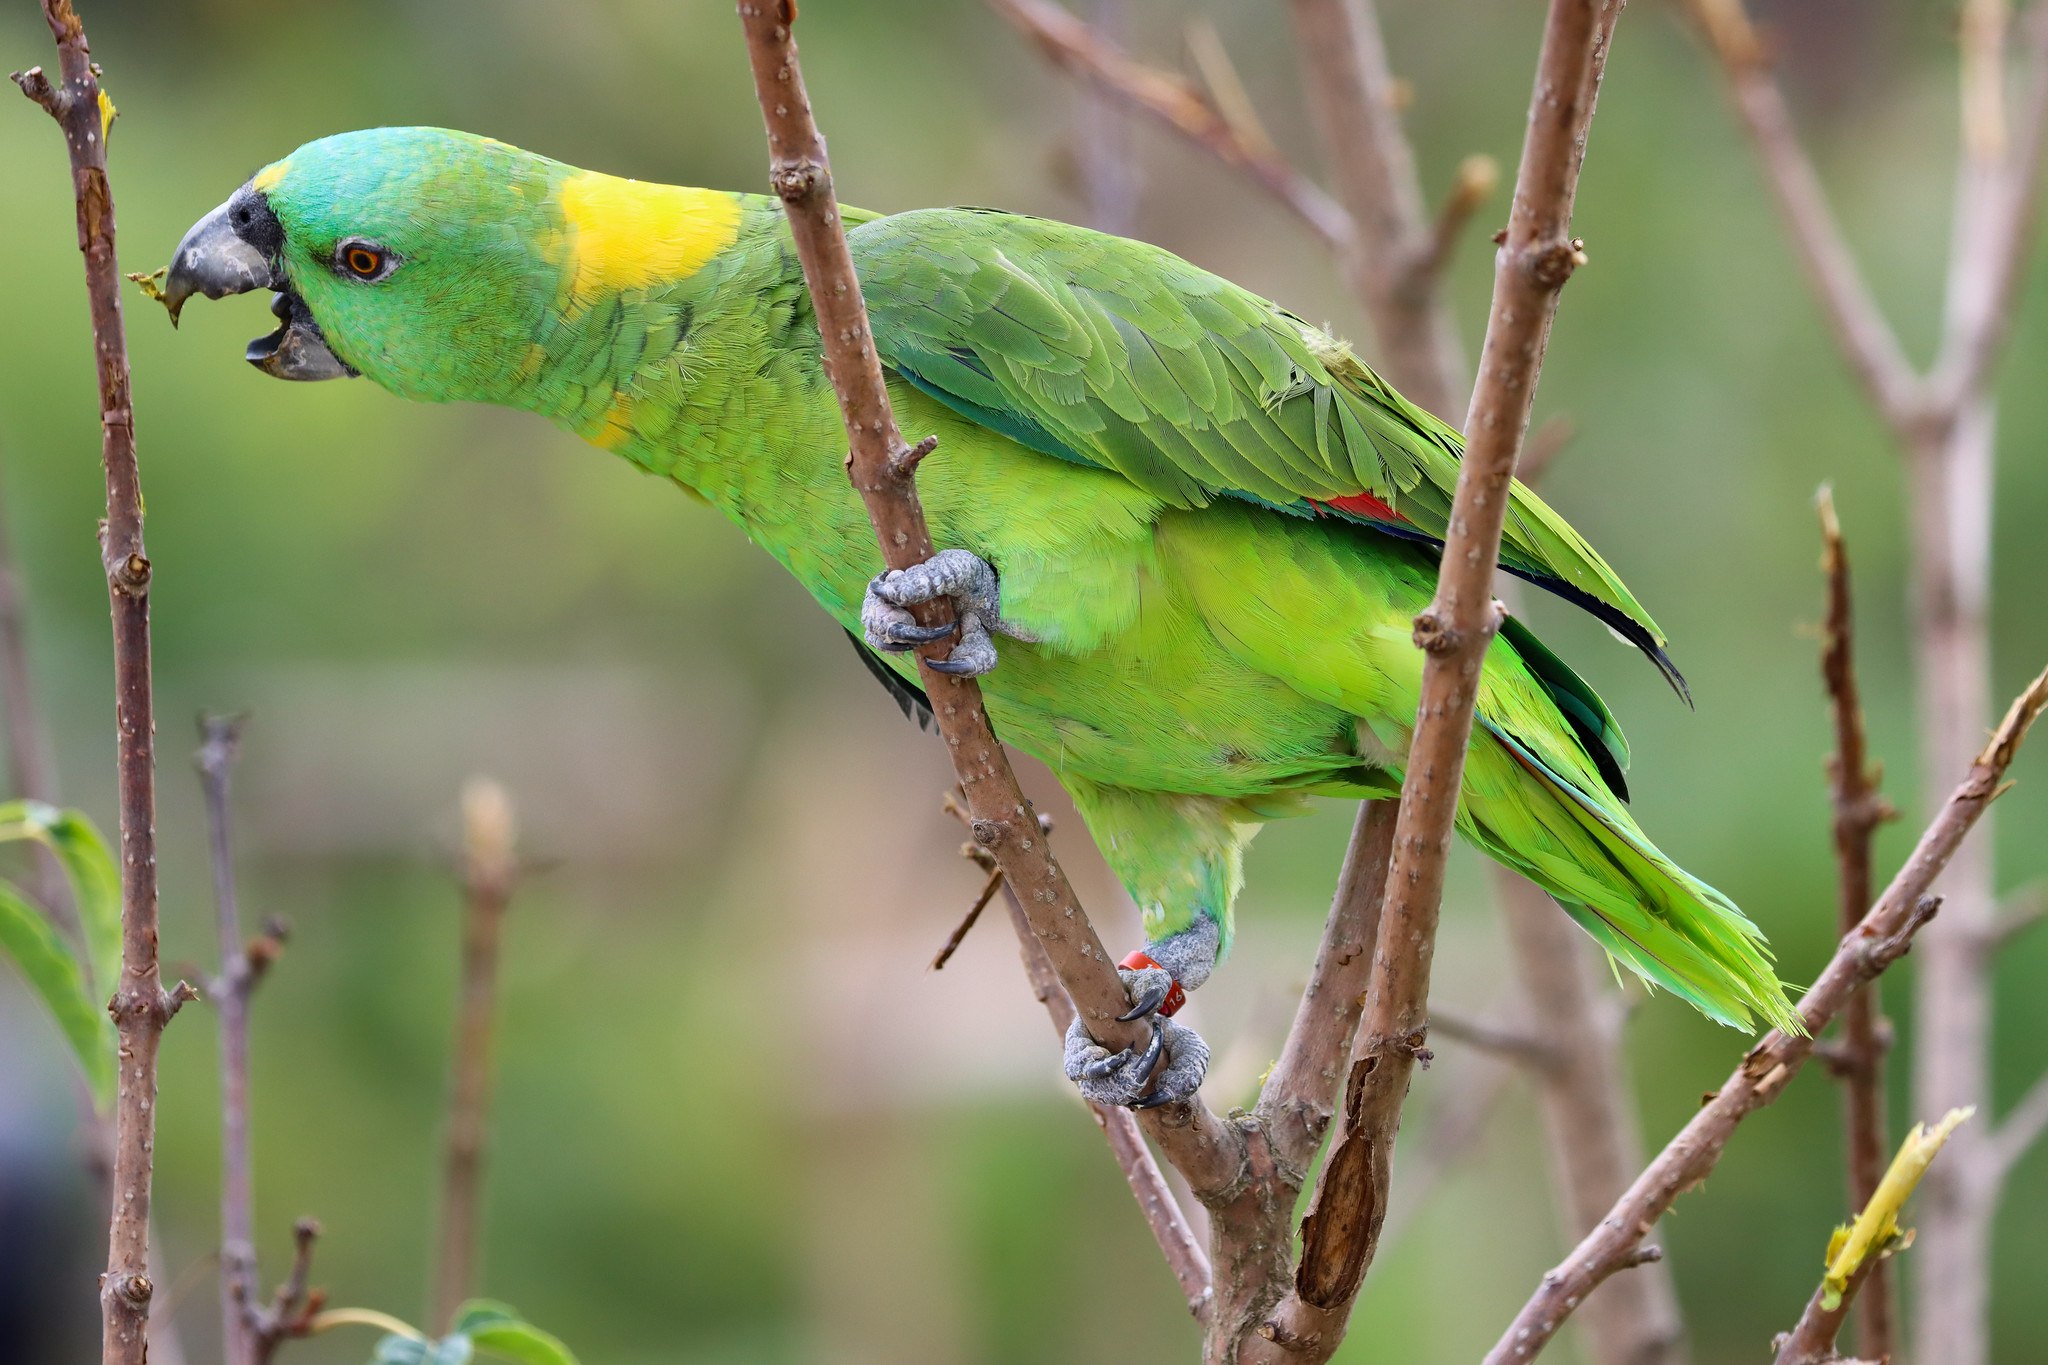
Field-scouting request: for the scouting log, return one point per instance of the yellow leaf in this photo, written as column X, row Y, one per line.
column 1878, row 1224
column 108, row 113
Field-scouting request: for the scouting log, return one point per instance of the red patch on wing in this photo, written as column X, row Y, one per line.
column 1366, row 505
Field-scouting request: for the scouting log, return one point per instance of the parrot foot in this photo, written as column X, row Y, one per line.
column 964, row 577
column 1126, row 1078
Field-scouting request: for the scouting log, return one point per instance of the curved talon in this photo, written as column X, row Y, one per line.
column 1149, row 1001
column 1102, row 1066
column 959, row 668
column 1154, row 1101
column 1150, row 1058
column 907, row 637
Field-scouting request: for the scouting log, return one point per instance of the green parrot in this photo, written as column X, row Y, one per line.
column 1200, row 526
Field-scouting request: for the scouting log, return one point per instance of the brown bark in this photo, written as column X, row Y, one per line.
column 1943, row 425
column 1341, row 1231
column 1866, row 1034
column 882, row 466
column 1393, row 259
column 1882, row 937
column 141, row 1007
column 490, row 870
column 1177, row 1241
column 1072, row 45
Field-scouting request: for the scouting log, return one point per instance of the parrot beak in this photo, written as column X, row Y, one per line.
column 237, row 248
column 216, row 259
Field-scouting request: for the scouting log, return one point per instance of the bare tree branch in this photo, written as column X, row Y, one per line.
column 1859, row 1250
column 1880, row 939
column 1866, row 339
column 1163, row 1215
column 1341, row 1230
column 242, row 966
column 2023, row 1127
column 2022, row 910
column 490, row 873
column 141, row 1007
column 1858, row 811
column 1515, row 1043
column 1994, row 239
column 1072, row 45
column 1204, row 1150
column 1393, row 257
column 1300, row 1093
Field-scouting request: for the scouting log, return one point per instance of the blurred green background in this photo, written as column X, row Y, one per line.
column 738, row 1121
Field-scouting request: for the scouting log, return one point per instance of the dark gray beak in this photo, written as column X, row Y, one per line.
column 237, row 248
column 216, row 258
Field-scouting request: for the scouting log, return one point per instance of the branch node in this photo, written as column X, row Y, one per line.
column 1551, row 263
column 55, row 100
column 904, row 462
column 797, row 178
column 1436, row 635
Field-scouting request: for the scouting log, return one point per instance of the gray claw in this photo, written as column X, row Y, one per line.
column 960, row 575
column 1126, row 1080
column 1151, row 994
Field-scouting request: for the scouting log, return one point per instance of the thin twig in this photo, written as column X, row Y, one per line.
column 1865, row 338
column 1543, row 447
column 241, row 967
column 1996, row 238
column 1478, row 177
column 1858, row 811
column 1300, row 1093
column 1163, row 1215
column 1392, row 259
column 1072, row 45
column 293, row 1307
column 141, row 1007
column 490, row 871
column 1202, row 1148
column 1341, row 1230
column 1510, row 1042
column 1882, row 937
column 2022, row 1127
column 2022, row 910
column 1859, row 1250
column 967, row 921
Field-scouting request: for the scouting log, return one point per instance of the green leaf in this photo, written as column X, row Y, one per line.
column 95, row 879
column 497, row 1329
column 53, row 969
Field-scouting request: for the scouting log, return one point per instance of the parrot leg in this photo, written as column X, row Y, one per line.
column 1157, row 981
column 964, row 577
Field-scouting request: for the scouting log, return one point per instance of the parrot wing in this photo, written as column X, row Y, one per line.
column 1120, row 355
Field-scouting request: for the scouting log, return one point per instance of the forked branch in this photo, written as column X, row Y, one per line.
column 1882, row 937
column 1341, row 1231
column 1070, row 44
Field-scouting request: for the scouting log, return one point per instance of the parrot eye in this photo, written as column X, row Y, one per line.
column 364, row 260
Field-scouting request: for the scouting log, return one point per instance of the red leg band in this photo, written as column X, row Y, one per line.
column 1175, row 998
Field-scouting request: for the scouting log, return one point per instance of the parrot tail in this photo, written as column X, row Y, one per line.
column 1666, row 926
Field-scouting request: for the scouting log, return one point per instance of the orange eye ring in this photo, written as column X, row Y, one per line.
column 364, row 262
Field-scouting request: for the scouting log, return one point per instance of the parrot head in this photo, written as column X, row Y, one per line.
column 419, row 257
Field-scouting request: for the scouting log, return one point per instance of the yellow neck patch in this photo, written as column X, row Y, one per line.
column 267, row 178
column 626, row 234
